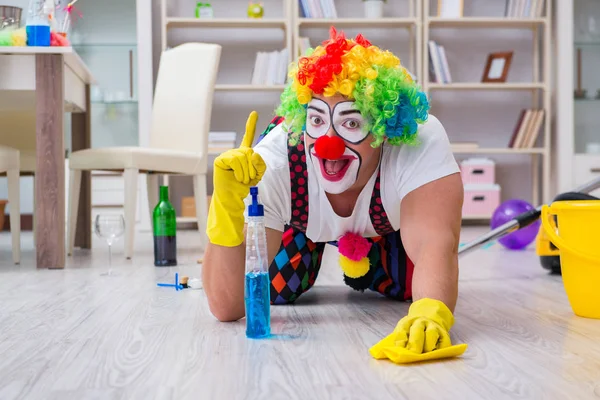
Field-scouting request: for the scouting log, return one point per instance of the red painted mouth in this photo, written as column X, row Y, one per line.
column 334, row 170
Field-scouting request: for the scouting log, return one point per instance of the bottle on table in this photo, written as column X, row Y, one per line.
column 257, row 282
column 38, row 22
column 164, row 222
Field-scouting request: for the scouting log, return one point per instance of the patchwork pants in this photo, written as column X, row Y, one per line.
column 296, row 267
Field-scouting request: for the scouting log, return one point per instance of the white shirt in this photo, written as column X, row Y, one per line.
column 404, row 168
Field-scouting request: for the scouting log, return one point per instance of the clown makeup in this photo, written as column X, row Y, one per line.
column 335, row 132
column 347, row 121
column 336, row 176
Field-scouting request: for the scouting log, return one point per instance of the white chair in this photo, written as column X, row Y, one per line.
column 10, row 163
column 178, row 140
column 18, row 134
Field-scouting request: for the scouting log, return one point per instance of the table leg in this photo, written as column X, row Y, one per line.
column 50, row 162
column 81, row 139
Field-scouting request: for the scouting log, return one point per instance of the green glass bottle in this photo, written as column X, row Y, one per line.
column 165, row 231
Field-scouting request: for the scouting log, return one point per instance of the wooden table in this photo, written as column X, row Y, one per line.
column 51, row 80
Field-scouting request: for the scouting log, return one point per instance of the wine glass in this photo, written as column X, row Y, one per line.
column 110, row 228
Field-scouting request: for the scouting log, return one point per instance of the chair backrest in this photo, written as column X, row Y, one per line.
column 183, row 97
column 17, row 129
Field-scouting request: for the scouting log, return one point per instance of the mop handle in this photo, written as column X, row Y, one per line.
column 589, row 187
column 521, row 221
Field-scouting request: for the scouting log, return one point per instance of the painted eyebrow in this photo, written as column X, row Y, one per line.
column 349, row 112
column 316, row 109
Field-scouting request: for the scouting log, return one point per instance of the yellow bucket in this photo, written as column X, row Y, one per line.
column 579, row 243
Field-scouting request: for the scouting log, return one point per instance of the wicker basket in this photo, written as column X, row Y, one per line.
column 10, row 17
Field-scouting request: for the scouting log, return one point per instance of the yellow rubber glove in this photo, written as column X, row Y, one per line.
column 235, row 171
column 422, row 335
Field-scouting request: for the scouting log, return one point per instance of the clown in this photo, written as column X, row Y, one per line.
column 352, row 159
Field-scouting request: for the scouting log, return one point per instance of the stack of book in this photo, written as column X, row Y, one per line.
column 219, row 142
column 318, row 9
column 524, row 8
column 270, row 68
column 527, row 129
column 439, row 72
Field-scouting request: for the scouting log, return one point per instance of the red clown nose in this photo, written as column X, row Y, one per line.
column 330, row 147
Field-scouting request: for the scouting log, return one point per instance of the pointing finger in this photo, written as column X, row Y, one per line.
column 250, row 130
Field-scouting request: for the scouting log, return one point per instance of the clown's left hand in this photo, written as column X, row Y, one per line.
column 422, row 335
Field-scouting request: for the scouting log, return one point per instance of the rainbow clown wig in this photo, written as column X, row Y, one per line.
column 382, row 89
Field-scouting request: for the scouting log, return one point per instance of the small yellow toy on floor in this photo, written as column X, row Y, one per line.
column 420, row 336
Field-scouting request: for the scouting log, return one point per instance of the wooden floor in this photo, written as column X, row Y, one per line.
column 73, row 334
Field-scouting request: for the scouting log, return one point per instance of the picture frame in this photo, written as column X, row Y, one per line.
column 450, row 8
column 497, row 67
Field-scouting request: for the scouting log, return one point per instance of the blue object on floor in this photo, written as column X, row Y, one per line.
column 177, row 286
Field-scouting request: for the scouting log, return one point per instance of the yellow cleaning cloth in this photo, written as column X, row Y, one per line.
column 420, row 336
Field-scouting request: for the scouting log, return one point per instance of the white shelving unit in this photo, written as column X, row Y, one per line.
column 285, row 24
column 418, row 23
column 485, row 86
column 484, row 22
column 412, row 23
column 249, row 88
column 540, row 86
column 358, row 22
column 225, row 23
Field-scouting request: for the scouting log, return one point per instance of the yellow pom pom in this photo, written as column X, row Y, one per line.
column 354, row 269
column 19, row 38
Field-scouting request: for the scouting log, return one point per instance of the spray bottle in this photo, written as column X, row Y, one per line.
column 257, row 285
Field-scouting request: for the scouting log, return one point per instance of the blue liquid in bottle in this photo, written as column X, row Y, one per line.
column 257, row 283
column 38, row 23
column 258, row 318
column 38, row 35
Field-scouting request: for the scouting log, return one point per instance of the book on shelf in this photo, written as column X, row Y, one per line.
column 439, row 71
column 318, row 9
column 303, row 45
column 270, row 68
column 524, row 8
column 527, row 130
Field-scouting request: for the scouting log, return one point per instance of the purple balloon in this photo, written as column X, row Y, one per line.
column 508, row 211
